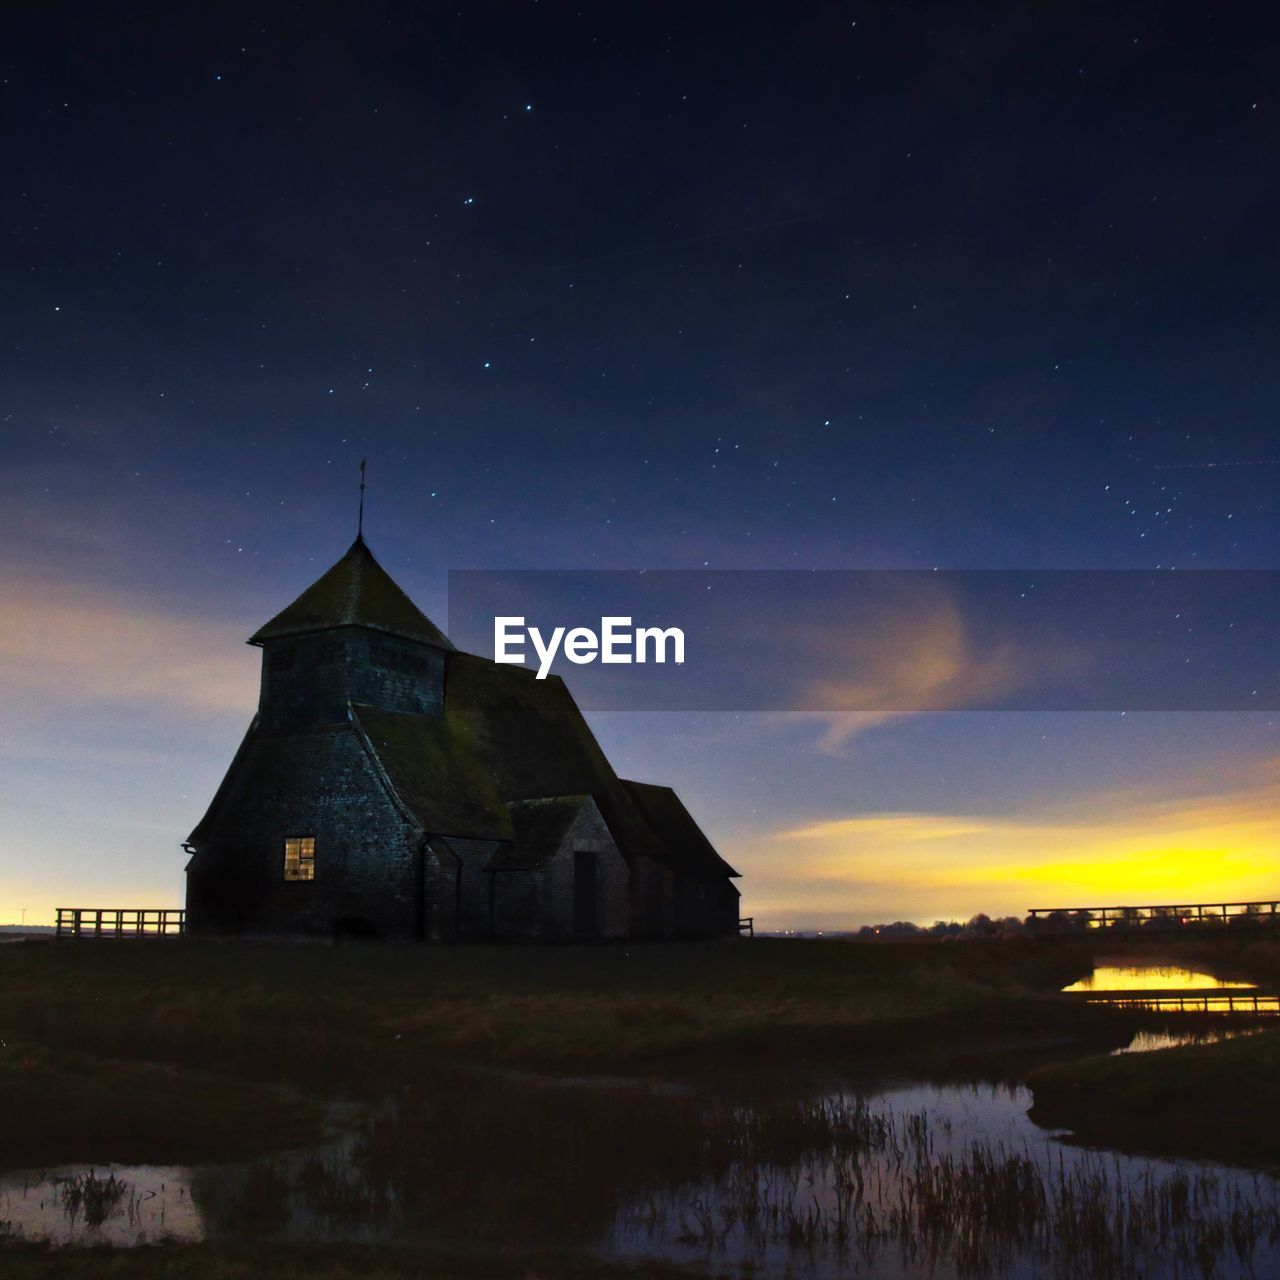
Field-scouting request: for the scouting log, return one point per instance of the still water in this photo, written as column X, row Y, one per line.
column 1153, row 977
column 1171, row 988
column 902, row 1181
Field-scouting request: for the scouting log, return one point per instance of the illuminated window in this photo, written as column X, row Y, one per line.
column 300, row 858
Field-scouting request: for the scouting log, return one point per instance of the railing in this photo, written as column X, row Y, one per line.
column 120, row 922
column 1169, row 916
column 747, row 927
column 1208, row 1000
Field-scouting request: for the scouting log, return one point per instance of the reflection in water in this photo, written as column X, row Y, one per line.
column 121, row 1207
column 1152, row 977
column 1150, row 1041
column 1171, row 989
column 938, row 1181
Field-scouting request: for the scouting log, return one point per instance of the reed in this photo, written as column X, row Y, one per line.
column 688, row 1176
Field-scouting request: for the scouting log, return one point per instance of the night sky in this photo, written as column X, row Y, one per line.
column 621, row 286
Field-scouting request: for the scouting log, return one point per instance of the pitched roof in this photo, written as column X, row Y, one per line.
column 231, row 780
column 512, row 759
column 674, row 825
column 437, row 773
column 538, row 744
column 442, row 784
column 357, row 591
column 540, row 828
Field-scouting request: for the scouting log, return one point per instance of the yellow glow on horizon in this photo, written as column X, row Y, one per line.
column 1108, row 851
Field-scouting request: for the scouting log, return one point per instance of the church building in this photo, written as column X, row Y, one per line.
column 391, row 786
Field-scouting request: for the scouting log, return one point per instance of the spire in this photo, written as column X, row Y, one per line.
column 360, row 522
column 355, row 592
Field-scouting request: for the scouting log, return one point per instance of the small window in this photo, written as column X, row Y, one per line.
column 300, row 858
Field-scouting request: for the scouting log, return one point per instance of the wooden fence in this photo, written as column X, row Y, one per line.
column 1167, row 917
column 121, row 922
column 1206, row 1000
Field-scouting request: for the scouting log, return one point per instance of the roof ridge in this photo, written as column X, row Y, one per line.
column 582, row 796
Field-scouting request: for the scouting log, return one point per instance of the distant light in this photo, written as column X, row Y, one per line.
column 469, row 200
column 528, row 106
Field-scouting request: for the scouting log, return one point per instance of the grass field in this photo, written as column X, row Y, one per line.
column 245, row 1039
column 183, row 1051
column 1219, row 1101
column 294, row 1262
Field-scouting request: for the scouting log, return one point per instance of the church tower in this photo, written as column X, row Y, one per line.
column 352, row 637
column 361, row 802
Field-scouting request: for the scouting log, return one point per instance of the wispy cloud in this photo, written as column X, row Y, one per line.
column 77, row 645
column 916, row 655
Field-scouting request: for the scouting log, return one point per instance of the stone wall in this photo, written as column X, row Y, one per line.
column 321, row 783
column 310, row 679
column 651, row 893
column 440, row 880
column 473, row 856
column 515, row 911
column 588, row 833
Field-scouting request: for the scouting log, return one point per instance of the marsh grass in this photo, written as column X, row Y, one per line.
column 980, row 1210
column 1215, row 1100
column 304, row 1262
column 65, row 1106
column 95, row 1197
column 369, row 1018
column 478, row 1166
column 761, row 1182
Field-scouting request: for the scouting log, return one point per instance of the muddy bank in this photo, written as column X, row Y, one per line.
column 67, row 1107
column 1213, row 1101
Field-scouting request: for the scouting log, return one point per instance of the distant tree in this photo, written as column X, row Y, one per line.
column 1059, row 922
column 980, row 926
column 897, row 929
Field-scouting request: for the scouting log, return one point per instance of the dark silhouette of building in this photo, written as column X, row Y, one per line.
column 393, row 786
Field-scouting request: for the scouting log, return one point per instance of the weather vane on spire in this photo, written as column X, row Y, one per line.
column 360, row 522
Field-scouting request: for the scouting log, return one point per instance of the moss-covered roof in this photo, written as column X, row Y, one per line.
column 357, row 591
column 512, row 759
column 538, row 744
column 435, row 770
column 540, row 827
column 673, row 824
